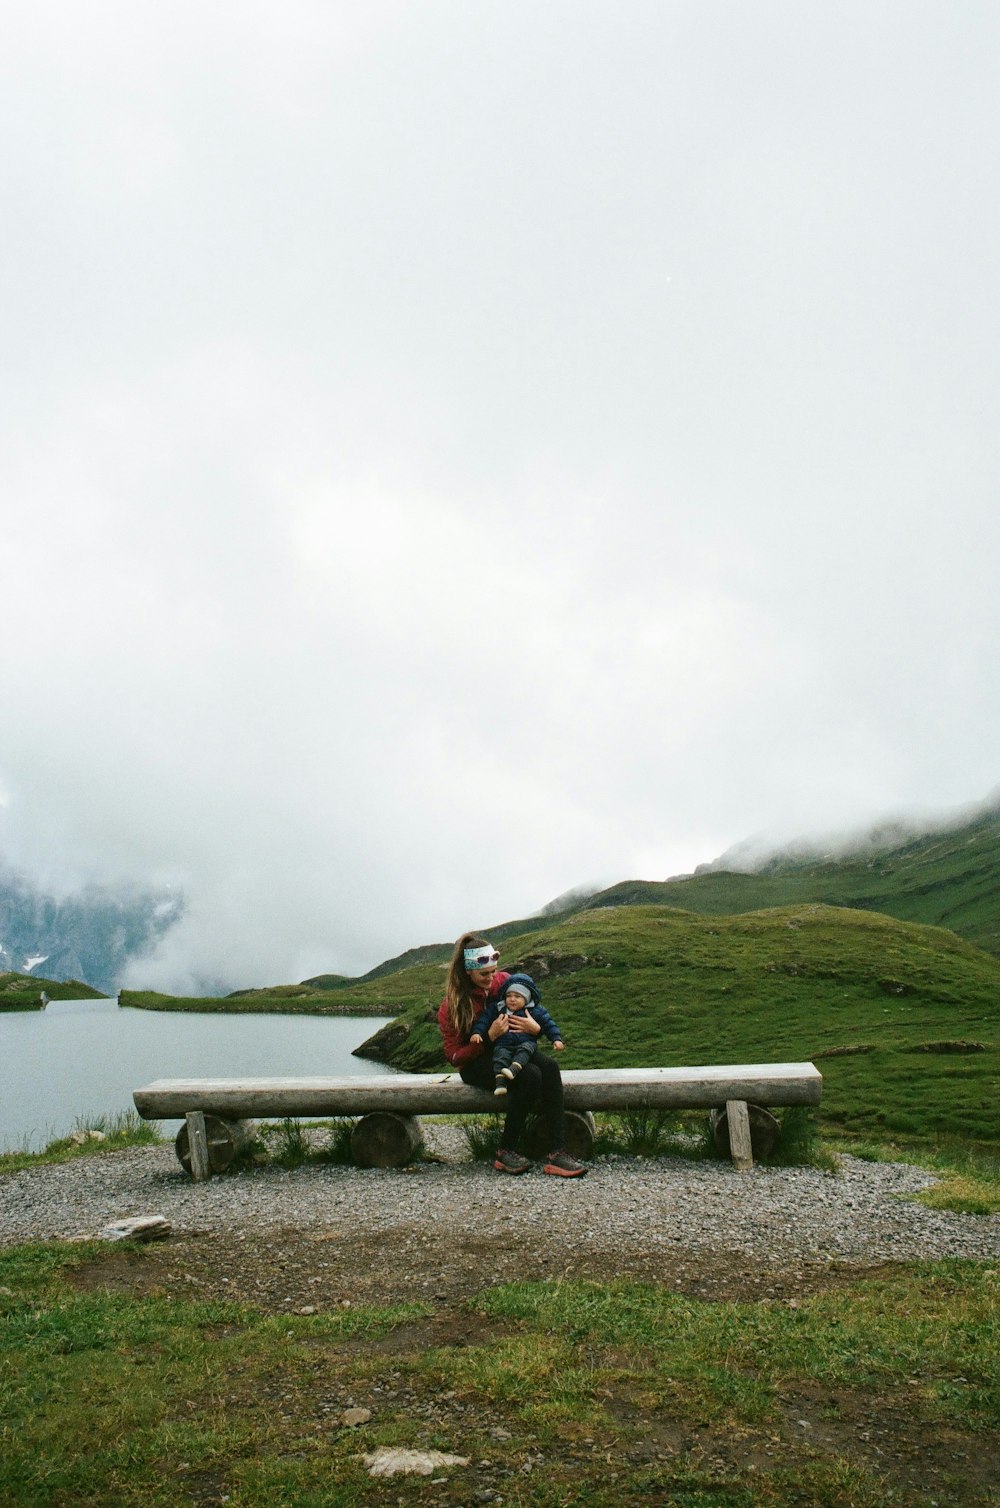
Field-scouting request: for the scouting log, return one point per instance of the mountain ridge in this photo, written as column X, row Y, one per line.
column 90, row 936
column 927, row 877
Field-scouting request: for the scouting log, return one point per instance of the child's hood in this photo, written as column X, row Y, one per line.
column 526, row 985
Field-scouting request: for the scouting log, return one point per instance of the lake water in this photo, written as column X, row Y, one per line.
column 82, row 1058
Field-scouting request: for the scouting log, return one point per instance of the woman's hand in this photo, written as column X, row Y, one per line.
column 499, row 1027
column 525, row 1024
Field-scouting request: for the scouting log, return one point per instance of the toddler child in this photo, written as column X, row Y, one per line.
column 514, row 1049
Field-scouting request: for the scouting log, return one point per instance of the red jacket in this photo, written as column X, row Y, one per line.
column 458, row 1049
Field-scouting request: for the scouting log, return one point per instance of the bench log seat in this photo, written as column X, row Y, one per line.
column 385, row 1136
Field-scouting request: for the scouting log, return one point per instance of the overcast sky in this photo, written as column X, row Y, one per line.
column 453, row 452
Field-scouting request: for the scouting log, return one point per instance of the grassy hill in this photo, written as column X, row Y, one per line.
column 854, row 962
column 23, row 992
column 284, row 999
column 949, row 878
column 901, row 1018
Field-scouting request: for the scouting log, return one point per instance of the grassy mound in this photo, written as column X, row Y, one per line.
column 23, row 992
column 872, row 998
column 282, row 999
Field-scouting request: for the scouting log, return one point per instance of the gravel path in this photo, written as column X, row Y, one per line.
column 624, row 1208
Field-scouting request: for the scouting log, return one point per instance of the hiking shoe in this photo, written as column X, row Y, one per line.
column 500, row 1089
column 511, row 1162
column 564, row 1166
column 507, row 1073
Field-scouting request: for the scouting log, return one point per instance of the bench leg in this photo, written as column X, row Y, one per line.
column 209, row 1144
column 197, row 1138
column 740, row 1145
column 384, row 1139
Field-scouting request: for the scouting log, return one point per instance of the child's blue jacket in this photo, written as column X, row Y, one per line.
column 537, row 1012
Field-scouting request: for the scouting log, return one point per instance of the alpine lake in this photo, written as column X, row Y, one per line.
column 79, row 1060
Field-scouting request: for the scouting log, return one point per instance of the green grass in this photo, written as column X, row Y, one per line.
column 969, row 1173
column 662, row 987
column 932, row 1322
column 607, row 1393
column 289, row 1143
column 949, row 878
column 115, row 1132
column 283, row 999
column 22, row 992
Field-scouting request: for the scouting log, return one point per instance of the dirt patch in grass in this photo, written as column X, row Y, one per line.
column 647, row 1451
column 891, row 1433
column 278, row 1273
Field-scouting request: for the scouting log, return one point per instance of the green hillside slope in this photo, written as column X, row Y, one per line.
column 281, row 999
column 23, row 992
column 651, row 985
column 950, row 878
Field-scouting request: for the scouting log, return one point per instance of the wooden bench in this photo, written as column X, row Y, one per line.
column 218, row 1114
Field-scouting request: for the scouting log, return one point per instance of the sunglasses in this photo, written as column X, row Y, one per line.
column 484, row 960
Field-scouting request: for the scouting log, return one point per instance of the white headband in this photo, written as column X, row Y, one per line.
column 481, row 957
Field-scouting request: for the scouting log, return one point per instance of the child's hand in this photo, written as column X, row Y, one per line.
column 476, row 1038
column 558, row 1045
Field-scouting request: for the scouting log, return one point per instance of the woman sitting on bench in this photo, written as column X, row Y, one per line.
column 473, row 978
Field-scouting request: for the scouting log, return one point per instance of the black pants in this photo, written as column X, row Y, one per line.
column 520, row 1053
column 537, row 1087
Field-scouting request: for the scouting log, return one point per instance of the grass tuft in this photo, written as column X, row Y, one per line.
column 482, row 1136
column 649, row 1133
column 90, row 1135
column 290, row 1143
column 338, row 1148
column 800, row 1145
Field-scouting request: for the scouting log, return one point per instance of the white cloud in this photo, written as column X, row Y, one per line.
column 453, row 455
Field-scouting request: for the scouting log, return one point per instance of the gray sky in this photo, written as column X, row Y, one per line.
column 454, row 452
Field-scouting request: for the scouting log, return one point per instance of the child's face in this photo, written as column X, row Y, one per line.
column 516, row 1003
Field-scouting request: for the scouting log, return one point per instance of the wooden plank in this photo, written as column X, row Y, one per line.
column 201, row 1168
column 432, row 1094
column 740, row 1145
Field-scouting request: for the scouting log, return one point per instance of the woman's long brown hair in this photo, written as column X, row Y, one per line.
column 458, row 991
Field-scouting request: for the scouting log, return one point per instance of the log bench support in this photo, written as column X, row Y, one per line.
column 198, row 1146
column 740, row 1146
column 208, row 1144
column 384, row 1139
column 743, row 1131
column 388, row 1133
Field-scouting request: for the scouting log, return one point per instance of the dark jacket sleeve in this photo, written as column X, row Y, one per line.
column 547, row 1024
column 485, row 1019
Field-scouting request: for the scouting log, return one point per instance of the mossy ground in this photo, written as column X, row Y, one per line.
column 122, row 1382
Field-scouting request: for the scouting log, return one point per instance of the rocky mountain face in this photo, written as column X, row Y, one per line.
column 91, row 935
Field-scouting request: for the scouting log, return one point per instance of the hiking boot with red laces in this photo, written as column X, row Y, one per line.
column 564, row 1166
column 510, row 1162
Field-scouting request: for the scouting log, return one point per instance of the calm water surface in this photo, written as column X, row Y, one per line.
column 80, row 1059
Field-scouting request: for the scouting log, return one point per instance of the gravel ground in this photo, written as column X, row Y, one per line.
column 630, row 1216
column 322, row 1238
